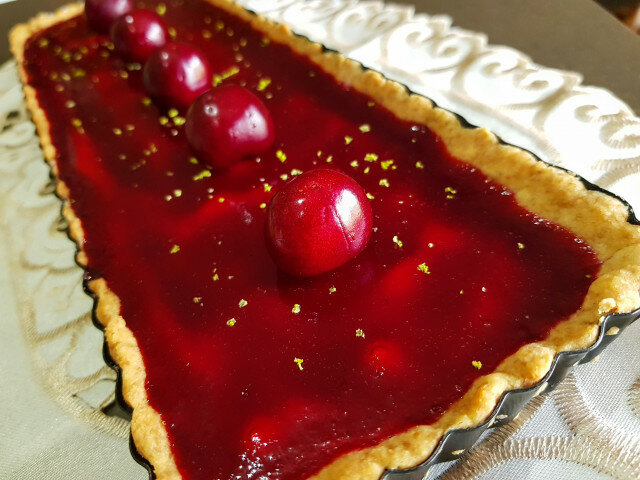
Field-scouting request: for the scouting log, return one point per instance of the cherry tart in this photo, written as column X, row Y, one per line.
column 302, row 270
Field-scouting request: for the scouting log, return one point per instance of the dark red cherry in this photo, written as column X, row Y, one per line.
column 318, row 221
column 102, row 13
column 176, row 75
column 226, row 124
column 137, row 34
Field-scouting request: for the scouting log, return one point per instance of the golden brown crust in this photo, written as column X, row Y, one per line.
column 549, row 192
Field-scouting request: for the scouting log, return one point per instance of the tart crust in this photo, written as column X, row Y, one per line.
column 549, row 192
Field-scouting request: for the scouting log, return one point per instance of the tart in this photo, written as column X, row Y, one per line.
column 483, row 264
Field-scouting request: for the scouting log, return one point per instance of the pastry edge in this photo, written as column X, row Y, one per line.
column 542, row 189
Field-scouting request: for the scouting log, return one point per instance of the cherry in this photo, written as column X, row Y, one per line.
column 176, row 74
column 102, row 13
column 137, row 34
column 226, row 124
column 318, row 221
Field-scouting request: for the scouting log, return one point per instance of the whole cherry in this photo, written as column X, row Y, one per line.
column 102, row 13
column 137, row 34
column 226, row 124
column 176, row 75
column 317, row 222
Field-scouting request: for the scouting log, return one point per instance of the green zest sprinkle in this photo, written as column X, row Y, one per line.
column 177, row 193
column 202, row 174
column 175, row 249
column 461, row 292
column 397, row 241
column 477, row 364
column 371, row 157
column 430, row 245
column 423, row 268
column 354, row 163
column 295, row 172
column 520, row 246
column 284, row 176
column 218, row 79
column 219, row 25
column 215, row 277
column 263, row 205
column 163, row 120
column 242, row 303
column 365, row 128
column 161, row 9
column 193, row 160
column 263, row 83
column 76, row 122
column 281, row 156
column 385, row 164
column 296, row 309
column 332, row 290
column 419, row 165
column 197, row 299
column 370, row 196
column 298, row 361
column 267, row 187
column 178, row 121
column 384, row 183
column 172, row 32
column 359, row 333
column 117, row 131
column 173, row 112
column 319, row 153
column 348, row 139
column 231, row 322
column 450, row 192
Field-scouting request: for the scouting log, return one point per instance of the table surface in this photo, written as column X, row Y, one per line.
column 576, row 35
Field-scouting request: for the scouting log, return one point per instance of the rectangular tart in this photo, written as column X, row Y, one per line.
column 353, row 409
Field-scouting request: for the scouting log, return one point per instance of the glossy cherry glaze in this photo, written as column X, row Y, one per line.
column 102, row 13
column 381, row 346
column 137, row 34
column 227, row 124
column 318, row 221
column 176, row 75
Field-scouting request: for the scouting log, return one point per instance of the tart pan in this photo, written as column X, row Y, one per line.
column 456, row 441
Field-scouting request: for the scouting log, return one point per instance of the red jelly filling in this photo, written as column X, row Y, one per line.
column 257, row 374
